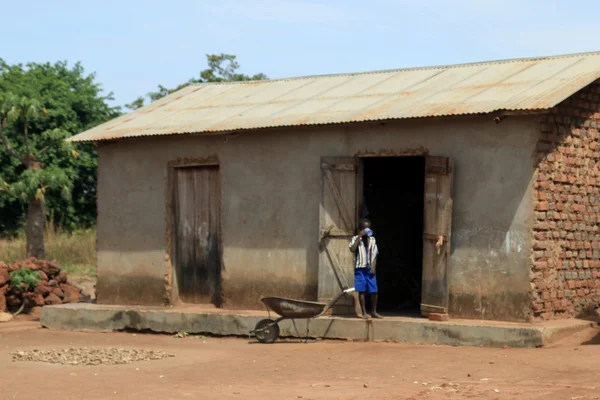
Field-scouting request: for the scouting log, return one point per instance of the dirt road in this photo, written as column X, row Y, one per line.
column 215, row 368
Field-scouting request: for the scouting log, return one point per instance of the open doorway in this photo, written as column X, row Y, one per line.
column 393, row 201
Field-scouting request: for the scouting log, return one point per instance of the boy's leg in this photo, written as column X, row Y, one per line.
column 374, row 306
column 373, row 289
column 363, row 307
column 360, row 285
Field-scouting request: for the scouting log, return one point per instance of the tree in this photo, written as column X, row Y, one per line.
column 221, row 68
column 40, row 106
column 34, row 180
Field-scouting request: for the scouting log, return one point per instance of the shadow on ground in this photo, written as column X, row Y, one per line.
column 594, row 340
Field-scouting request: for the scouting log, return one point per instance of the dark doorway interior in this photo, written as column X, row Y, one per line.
column 393, row 201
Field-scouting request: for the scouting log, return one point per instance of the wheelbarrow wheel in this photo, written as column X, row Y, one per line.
column 266, row 331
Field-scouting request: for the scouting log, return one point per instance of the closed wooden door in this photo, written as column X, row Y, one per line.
column 197, row 245
column 436, row 238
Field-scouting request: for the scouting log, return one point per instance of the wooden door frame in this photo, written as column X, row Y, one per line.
column 360, row 156
column 171, row 294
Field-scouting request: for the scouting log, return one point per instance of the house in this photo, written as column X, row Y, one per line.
column 481, row 181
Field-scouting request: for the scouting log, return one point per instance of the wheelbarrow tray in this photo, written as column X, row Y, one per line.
column 290, row 308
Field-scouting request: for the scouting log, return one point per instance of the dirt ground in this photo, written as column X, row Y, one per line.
column 218, row 368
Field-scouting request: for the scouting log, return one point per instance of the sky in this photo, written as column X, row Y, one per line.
column 133, row 46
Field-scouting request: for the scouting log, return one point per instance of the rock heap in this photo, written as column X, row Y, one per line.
column 52, row 288
column 85, row 356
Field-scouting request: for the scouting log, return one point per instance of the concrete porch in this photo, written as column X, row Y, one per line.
column 202, row 320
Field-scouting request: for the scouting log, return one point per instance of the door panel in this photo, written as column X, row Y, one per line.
column 437, row 229
column 338, row 212
column 197, row 253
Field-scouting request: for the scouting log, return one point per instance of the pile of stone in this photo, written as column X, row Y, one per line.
column 52, row 288
column 86, row 356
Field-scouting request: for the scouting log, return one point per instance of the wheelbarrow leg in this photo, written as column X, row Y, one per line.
column 307, row 325
column 296, row 328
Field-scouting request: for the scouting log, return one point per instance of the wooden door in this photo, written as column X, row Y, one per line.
column 436, row 234
column 197, row 246
column 338, row 219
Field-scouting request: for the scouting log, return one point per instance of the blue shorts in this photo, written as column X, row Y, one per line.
column 365, row 281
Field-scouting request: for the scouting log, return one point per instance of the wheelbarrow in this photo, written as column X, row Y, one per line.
column 267, row 330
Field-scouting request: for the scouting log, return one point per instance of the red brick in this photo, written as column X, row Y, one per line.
column 546, row 316
column 541, row 265
column 543, row 206
column 541, row 225
column 568, row 225
column 566, row 235
column 541, row 195
column 539, row 236
column 546, row 295
column 556, row 304
column 438, row 317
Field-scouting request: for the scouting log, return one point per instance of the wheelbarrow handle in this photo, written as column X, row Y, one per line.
column 335, row 299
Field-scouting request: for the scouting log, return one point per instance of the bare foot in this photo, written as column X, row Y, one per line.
column 376, row 316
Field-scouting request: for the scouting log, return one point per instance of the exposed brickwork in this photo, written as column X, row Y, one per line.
column 565, row 276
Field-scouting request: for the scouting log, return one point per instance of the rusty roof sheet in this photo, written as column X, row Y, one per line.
column 524, row 84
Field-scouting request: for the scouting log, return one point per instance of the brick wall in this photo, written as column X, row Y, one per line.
column 565, row 276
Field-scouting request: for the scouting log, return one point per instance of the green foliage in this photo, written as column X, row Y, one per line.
column 52, row 102
column 24, row 277
column 221, row 68
column 24, row 110
column 35, row 183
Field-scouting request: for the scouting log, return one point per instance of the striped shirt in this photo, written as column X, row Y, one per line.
column 363, row 257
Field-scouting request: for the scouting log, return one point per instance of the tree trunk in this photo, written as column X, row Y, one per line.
column 36, row 221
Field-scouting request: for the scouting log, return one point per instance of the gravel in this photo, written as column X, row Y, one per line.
column 86, row 356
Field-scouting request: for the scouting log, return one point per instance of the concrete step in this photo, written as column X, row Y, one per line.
column 94, row 317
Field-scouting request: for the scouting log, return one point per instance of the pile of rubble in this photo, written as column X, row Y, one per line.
column 51, row 288
column 86, row 356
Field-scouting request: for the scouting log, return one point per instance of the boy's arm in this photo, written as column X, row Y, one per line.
column 356, row 241
column 374, row 267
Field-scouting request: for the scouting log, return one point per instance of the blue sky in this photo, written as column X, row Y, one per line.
column 135, row 45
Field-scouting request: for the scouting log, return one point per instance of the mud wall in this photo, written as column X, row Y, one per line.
column 270, row 184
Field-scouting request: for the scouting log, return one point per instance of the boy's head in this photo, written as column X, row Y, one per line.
column 364, row 223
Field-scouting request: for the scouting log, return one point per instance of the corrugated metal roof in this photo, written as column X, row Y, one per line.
column 525, row 84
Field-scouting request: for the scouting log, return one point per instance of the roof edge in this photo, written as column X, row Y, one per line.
column 384, row 71
column 511, row 112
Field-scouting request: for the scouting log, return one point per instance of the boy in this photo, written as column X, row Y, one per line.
column 364, row 247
